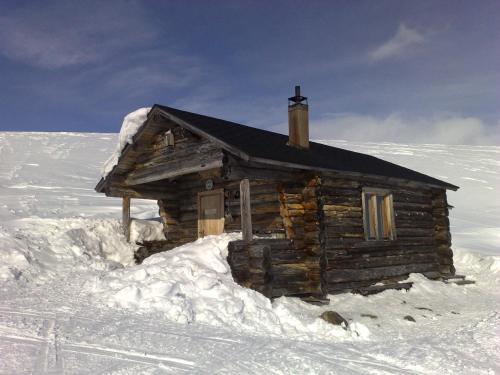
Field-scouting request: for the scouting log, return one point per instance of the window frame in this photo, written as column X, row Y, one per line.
column 388, row 204
column 169, row 138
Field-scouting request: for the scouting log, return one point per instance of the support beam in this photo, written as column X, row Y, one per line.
column 246, row 213
column 126, row 217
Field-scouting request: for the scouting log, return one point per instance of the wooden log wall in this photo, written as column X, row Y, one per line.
column 326, row 250
column 264, row 204
column 273, row 267
column 161, row 161
column 250, row 263
column 299, row 271
column 442, row 233
column 143, row 171
column 353, row 262
column 179, row 213
column 179, row 209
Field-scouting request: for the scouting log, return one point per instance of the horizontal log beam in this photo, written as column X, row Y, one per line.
column 170, row 172
column 378, row 273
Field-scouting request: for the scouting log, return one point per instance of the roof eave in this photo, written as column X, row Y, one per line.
column 320, row 169
column 100, row 187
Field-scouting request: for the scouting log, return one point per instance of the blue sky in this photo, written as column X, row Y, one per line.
column 422, row 71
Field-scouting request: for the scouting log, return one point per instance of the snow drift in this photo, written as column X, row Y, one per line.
column 193, row 284
column 73, row 301
column 41, row 250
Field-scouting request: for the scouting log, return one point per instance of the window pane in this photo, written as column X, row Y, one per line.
column 366, row 214
column 378, row 216
column 387, row 216
column 373, row 216
column 380, row 226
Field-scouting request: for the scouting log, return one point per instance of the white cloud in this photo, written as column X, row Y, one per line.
column 398, row 44
column 450, row 129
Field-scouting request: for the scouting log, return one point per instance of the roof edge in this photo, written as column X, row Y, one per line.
column 157, row 108
column 201, row 133
column 300, row 166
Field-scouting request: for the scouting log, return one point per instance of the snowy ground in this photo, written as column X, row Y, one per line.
column 72, row 303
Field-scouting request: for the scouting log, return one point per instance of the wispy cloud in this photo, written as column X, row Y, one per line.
column 448, row 129
column 61, row 34
column 400, row 43
column 149, row 76
column 87, row 52
column 151, row 70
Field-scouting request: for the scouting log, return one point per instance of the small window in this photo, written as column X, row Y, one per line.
column 378, row 214
column 169, row 138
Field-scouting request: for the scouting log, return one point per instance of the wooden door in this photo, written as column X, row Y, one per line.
column 210, row 212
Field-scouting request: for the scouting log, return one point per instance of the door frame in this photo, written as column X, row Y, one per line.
column 221, row 207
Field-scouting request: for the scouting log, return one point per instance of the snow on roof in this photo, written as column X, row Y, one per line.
column 131, row 124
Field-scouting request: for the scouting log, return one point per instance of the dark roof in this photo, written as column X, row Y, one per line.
column 270, row 146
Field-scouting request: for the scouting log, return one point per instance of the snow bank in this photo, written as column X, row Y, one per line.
column 42, row 249
column 484, row 268
column 193, row 283
column 146, row 230
column 131, row 124
column 12, row 259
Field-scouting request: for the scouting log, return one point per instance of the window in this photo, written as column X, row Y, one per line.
column 378, row 214
column 169, row 138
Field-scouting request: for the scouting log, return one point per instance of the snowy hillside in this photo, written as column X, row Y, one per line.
column 72, row 302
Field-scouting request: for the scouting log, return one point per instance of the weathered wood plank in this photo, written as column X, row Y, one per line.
column 246, row 211
column 173, row 168
column 384, row 260
column 126, row 217
column 345, row 275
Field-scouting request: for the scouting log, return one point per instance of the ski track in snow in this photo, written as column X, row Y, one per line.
column 182, row 351
column 58, row 238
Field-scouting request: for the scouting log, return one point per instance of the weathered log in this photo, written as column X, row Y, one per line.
column 381, row 261
column 172, row 169
column 414, row 232
column 345, row 275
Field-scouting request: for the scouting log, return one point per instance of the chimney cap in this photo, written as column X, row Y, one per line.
column 297, row 98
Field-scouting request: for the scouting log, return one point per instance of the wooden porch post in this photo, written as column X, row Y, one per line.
column 246, row 213
column 126, row 217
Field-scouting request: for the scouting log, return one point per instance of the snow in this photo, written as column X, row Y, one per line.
column 72, row 301
column 146, row 230
column 188, row 284
column 131, row 124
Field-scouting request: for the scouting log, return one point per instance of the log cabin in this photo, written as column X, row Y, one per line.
column 315, row 219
